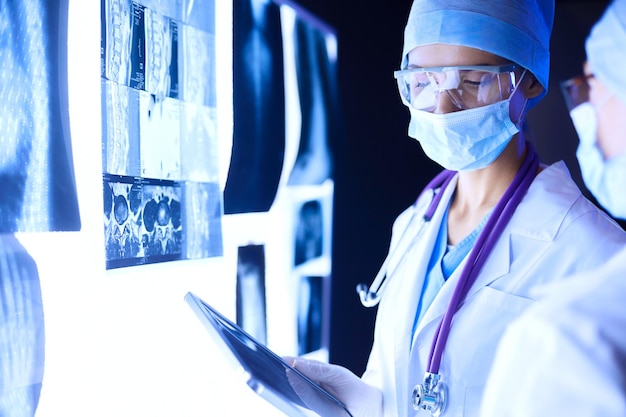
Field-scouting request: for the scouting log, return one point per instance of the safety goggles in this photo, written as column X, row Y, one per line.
column 466, row 86
column 576, row 90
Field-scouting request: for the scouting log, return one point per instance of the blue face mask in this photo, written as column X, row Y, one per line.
column 604, row 178
column 468, row 139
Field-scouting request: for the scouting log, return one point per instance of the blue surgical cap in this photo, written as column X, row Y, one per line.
column 606, row 49
column 517, row 30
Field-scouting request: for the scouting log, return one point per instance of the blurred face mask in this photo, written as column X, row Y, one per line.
column 604, row 178
column 465, row 140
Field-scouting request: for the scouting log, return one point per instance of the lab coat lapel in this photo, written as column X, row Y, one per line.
column 498, row 264
column 441, row 300
column 523, row 225
column 408, row 294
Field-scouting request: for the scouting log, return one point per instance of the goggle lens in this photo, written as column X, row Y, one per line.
column 464, row 87
column 575, row 90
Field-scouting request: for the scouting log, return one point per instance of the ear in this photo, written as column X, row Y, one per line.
column 531, row 86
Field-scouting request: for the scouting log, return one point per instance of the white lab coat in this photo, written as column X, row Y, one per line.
column 553, row 233
column 566, row 356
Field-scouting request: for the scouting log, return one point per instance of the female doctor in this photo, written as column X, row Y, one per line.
column 567, row 355
column 464, row 258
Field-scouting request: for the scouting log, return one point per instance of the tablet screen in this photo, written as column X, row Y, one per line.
column 288, row 388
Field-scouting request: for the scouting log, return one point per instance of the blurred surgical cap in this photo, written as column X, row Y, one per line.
column 517, row 30
column 606, row 49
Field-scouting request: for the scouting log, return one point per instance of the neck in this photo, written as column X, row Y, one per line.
column 479, row 191
column 484, row 187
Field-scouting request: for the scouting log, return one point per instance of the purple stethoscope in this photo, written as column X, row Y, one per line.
column 431, row 394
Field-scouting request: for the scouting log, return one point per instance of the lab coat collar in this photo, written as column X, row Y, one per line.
column 548, row 185
column 526, row 223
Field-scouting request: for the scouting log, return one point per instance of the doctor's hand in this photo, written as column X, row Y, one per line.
column 361, row 399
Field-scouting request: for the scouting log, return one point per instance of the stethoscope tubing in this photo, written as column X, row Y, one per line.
column 431, row 395
column 371, row 296
column 502, row 214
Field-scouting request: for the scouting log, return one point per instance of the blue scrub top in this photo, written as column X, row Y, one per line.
column 444, row 260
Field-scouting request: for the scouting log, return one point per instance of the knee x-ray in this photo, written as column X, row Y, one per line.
column 271, row 49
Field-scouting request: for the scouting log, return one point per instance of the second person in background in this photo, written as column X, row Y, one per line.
column 496, row 223
column 566, row 356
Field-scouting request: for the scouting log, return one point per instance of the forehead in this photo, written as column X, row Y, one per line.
column 437, row 55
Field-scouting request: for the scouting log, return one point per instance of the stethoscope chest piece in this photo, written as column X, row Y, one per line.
column 429, row 396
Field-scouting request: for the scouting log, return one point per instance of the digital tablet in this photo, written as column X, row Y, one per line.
column 265, row 372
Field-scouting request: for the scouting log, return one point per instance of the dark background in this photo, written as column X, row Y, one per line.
column 380, row 170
